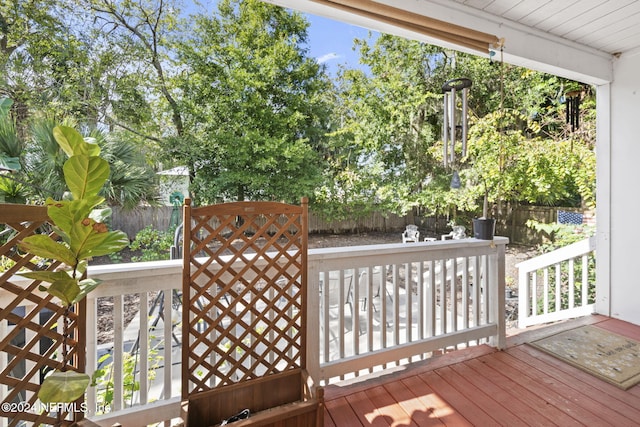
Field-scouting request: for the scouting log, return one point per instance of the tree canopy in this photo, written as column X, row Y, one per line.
column 234, row 94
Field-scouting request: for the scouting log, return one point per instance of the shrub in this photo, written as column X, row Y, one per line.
column 153, row 244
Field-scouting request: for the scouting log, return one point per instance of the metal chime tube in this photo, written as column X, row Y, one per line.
column 445, row 131
column 465, row 127
column 576, row 112
column 452, row 121
column 449, row 125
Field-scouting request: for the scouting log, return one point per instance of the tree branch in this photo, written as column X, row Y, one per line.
column 129, row 129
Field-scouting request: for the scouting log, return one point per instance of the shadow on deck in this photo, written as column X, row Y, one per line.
column 482, row 386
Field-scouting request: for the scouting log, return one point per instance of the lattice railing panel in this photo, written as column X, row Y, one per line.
column 30, row 324
column 245, row 288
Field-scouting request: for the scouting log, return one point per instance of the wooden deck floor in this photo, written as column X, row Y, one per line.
column 479, row 386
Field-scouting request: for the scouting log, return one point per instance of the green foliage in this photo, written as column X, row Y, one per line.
column 560, row 235
column 67, row 386
column 83, row 235
column 254, row 105
column 11, row 191
column 234, row 96
column 154, row 244
column 387, row 124
column 103, row 378
column 130, row 181
column 10, row 145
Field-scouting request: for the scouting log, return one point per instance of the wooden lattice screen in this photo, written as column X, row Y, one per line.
column 245, row 281
column 31, row 324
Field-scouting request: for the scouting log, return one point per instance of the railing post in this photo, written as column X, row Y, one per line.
column 497, row 301
column 92, row 352
column 524, row 296
column 313, row 320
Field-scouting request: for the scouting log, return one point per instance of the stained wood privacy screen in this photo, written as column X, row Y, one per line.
column 30, row 322
column 244, row 293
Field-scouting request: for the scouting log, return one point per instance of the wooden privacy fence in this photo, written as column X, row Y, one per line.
column 511, row 224
column 131, row 222
column 31, row 324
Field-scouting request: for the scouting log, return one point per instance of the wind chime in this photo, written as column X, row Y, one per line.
column 455, row 126
column 572, row 105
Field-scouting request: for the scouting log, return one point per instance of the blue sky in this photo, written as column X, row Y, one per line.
column 331, row 42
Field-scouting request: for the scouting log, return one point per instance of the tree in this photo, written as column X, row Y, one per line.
column 387, row 149
column 138, row 38
column 131, row 179
column 253, row 104
column 391, row 115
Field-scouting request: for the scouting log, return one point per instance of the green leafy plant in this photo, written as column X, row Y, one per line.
column 103, row 378
column 153, row 244
column 83, row 235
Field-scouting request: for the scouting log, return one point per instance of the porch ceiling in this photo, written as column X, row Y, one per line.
column 608, row 26
column 577, row 39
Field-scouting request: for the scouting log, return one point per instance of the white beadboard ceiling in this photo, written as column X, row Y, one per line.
column 611, row 26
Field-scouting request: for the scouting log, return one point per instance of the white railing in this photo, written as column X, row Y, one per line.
column 150, row 290
column 425, row 309
column 388, row 303
column 558, row 285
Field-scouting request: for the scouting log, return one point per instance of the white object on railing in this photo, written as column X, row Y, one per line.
column 538, row 290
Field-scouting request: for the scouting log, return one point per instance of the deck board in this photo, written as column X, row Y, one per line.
column 540, row 407
column 388, row 407
column 365, row 409
column 420, row 413
column 481, row 386
column 434, row 403
column 526, row 411
column 500, row 413
column 467, row 407
column 617, row 399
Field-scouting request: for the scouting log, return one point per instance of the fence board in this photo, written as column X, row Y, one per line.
column 512, row 225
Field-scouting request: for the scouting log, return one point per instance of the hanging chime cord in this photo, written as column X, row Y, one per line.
column 501, row 118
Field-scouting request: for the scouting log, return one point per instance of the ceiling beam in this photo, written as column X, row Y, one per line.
column 415, row 22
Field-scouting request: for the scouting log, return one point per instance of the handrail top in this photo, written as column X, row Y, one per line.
column 95, row 270
column 562, row 254
column 146, row 267
column 381, row 249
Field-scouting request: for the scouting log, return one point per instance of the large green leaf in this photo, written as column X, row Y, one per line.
column 90, row 239
column 63, row 387
column 66, row 213
column 86, row 286
column 68, row 139
column 98, row 244
column 72, row 142
column 66, row 290
column 45, row 247
column 80, row 232
column 63, row 213
column 85, row 175
column 101, row 215
column 46, row 276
